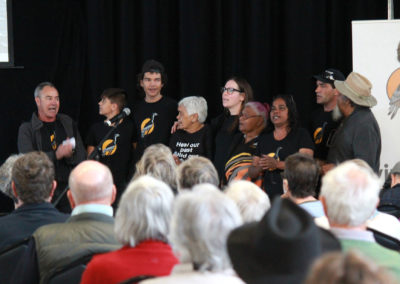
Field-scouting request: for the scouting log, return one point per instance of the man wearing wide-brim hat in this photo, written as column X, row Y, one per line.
column 359, row 135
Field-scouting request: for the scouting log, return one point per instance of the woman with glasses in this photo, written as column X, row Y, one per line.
column 252, row 121
column 282, row 138
column 235, row 94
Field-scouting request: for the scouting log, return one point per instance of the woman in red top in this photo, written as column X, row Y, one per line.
column 141, row 225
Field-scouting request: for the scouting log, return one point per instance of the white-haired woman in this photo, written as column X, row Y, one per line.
column 141, row 225
column 201, row 221
column 193, row 137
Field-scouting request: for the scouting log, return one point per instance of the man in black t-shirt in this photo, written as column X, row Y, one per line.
column 325, row 119
column 155, row 114
column 55, row 134
column 116, row 150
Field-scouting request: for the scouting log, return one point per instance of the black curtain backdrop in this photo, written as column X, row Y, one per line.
column 89, row 45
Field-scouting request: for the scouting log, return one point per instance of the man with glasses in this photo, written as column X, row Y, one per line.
column 155, row 114
column 325, row 119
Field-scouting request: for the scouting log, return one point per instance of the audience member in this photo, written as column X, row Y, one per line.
column 235, row 94
column 6, row 196
column 117, row 150
column 194, row 171
column 201, row 222
column 349, row 194
column 89, row 230
column 359, row 135
column 251, row 200
column 193, row 137
column 252, row 121
column 33, row 186
column 157, row 161
column 347, row 268
column 281, row 247
column 141, row 225
column 300, row 181
column 282, row 138
column 155, row 114
column 55, row 134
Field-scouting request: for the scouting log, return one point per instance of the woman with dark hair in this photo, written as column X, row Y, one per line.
column 235, row 94
column 282, row 138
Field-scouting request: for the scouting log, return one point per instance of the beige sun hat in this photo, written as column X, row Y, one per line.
column 358, row 89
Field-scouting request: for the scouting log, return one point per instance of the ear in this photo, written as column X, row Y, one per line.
column 71, row 199
column 141, row 83
column 53, row 188
column 37, row 100
column 195, row 117
column 14, row 190
column 285, row 185
column 114, row 194
column 335, row 92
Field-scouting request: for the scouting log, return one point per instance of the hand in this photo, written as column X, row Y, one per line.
column 177, row 160
column 266, row 162
column 174, row 127
column 64, row 151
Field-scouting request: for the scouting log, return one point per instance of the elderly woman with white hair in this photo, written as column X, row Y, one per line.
column 193, row 137
column 251, row 200
column 142, row 226
column 157, row 161
column 201, row 221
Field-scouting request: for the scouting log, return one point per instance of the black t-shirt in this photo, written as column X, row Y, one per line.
column 153, row 122
column 292, row 143
column 224, row 130
column 185, row 145
column 53, row 134
column 117, row 150
column 322, row 129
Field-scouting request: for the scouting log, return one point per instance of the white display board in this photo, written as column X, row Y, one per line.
column 375, row 45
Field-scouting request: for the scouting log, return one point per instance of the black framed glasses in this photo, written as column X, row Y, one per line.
column 246, row 117
column 230, row 90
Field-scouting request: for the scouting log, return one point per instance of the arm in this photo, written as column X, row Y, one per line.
column 89, row 150
column 27, row 142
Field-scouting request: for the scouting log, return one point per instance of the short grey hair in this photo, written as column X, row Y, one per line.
column 351, row 194
column 144, row 211
column 196, row 170
column 158, row 162
column 6, row 175
column 41, row 86
column 195, row 105
column 200, row 224
column 251, row 200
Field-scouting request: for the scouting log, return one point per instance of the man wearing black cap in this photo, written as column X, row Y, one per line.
column 390, row 197
column 326, row 119
column 155, row 114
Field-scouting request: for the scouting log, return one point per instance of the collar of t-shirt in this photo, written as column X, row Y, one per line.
column 356, row 235
column 93, row 208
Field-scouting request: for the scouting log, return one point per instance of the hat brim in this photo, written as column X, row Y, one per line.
column 322, row 79
column 246, row 261
column 344, row 89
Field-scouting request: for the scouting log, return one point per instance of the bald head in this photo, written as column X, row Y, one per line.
column 91, row 182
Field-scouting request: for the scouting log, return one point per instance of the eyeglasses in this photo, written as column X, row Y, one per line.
column 246, row 117
column 229, row 90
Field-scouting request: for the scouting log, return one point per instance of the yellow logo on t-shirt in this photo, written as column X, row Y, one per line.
column 147, row 126
column 109, row 146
